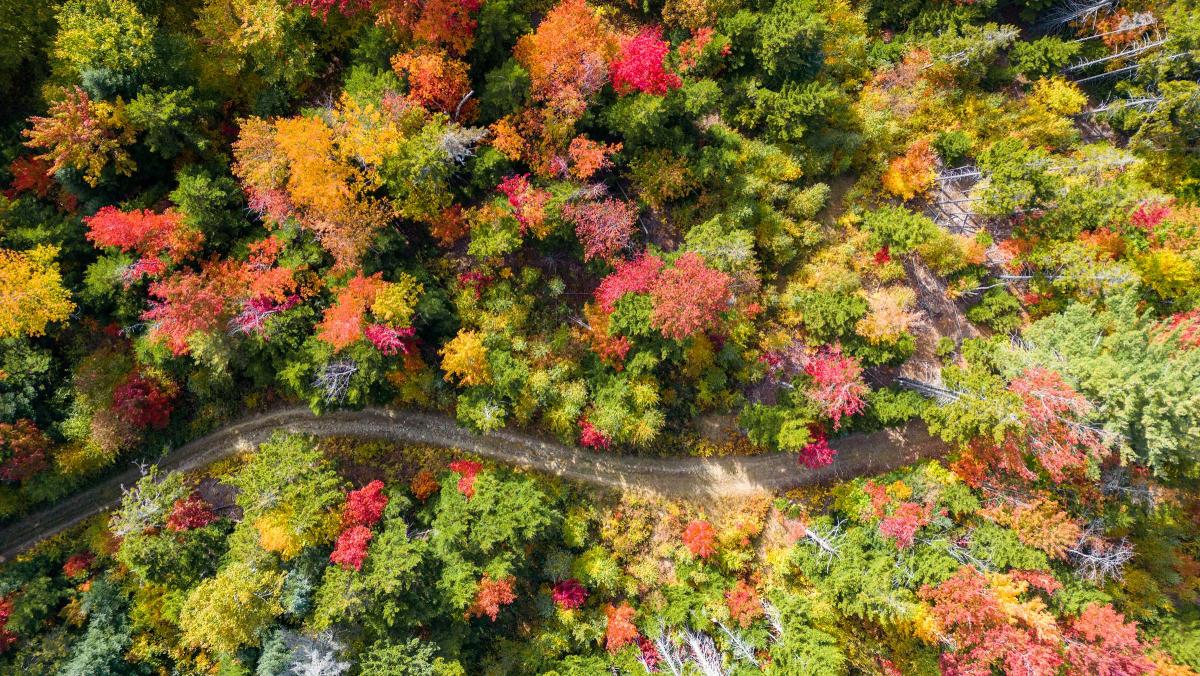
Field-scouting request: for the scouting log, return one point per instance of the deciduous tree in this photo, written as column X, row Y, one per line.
column 31, row 292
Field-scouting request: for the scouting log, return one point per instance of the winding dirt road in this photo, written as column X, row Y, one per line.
column 858, row 455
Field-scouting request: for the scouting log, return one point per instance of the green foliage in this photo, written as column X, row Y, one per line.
column 899, row 229
column 999, row 310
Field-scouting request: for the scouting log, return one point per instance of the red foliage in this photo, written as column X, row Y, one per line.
column 604, row 228
column 322, row 7
column 189, row 302
column 528, row 203
column 636, row 276
column 390, row 340
column 639, row 67
column 743, row 603
column 30, row 174
column 983, row 633
column 467, row 469
column 1054, row 432
column 904, row 522
column 490, row 596
column 351, row 548
column 23, row 450
column 688, row 297
column 691, row 49
column 342, row 324
column 620, row 629
column 570, row 594
column 650, row 656
column 364, row 507
column 1185, row 326
column 7, row 638
column 190, row 513
column 818, row 452
column 883, row 256
column 142, row 402
column 700, row 538
column 1147, row 216
column 837, row 383
column 1100, row 642
column 444, row 23
column 145, row 232
column 78, row 565
column 591, row 437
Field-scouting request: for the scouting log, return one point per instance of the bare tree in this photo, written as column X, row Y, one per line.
column 1096, row 558
column 705, row 655
column 334, row 379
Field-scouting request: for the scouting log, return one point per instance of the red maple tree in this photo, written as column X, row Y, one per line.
column 78, row 564
column 837, row 383
column 467, row 470
column 569, row 594
column 620, row 629
column 591, row 437
column 23, row 450
column 143, row 402
column 743, row 603
column 639, row 67
column 604, row 227
column 351, row 548
column 344, row 321
column 7, row 637
column 1101, row 642
column 700, row 538
column 190, row 513
column 688, row 297
column 364, row 507
column 636, row 276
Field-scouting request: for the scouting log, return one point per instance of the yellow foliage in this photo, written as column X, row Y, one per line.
column 1044, row 117
column 1168, row 273
column 31, row 292
column 465, row 358
column 396, row 301
column 1032, row 613
column 275, row 535
column 889, row 316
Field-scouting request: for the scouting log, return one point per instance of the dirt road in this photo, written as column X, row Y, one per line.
column 858, row 455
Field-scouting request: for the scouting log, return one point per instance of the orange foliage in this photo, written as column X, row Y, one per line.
column 343, row 323
column 912, row 173
column 450, row 226
column 700, row 538
column 620, row 629
column 436, row 82
column 423, row 485
column 567, row 57
column 490, row 596
column 588, row 156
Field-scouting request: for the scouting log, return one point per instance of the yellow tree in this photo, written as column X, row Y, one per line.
column 465, row 358
column 31, row 292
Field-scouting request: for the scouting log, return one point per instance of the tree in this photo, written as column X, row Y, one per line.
column 364, row 507
column 105, row 35
column 190, row 513
column 344, row 321
column 639, row 66
column 567, row 57
column 351, row 548
column 688, row 297
column 31, row 292
column 491, row 595
column 569, row 594
column 636, row 276
column 23, row 450
column 837, row 383
column 466, row 470
column 84, row 135
column 144, row 232
column 345, row 7
column 1099, row 641
column 700, row 538
column 465, row 358
column 290, row 480
column 912, row 173
column 437, row 82
column 620, row 629
column 604, row 227
column 143, row 402
column 743, row 603
column 227, row 612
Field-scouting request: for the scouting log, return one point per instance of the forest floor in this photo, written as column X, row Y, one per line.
column 687, row 478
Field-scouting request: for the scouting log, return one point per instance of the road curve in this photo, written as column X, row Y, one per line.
column 689, row 477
